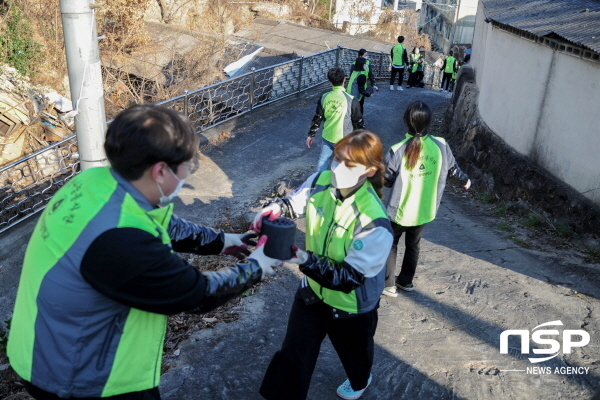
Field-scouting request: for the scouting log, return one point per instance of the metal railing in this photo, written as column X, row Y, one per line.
column 28, row 184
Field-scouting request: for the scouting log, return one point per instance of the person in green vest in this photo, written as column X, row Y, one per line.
column 454, row 75
column 448, row 68
column 357, row 84
column 399, row 60
column 340, row 114
column 348, row 236
column 417, row 63
column 368, row 69
column 416, row 169
column 101, row 274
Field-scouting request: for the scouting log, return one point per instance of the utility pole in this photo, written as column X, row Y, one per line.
column 85, row 79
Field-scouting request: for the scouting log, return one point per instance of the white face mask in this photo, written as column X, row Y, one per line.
column 165, row 200
column 416, row 51
column 344, row 177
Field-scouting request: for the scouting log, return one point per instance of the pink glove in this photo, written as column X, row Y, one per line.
column 273, row 211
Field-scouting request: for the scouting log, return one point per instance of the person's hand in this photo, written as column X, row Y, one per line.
column 467, row 185
column 265, row 263
column 376, row 88
column 237, row 244
column 273, row 211
column 300, row 256
column 309, row 141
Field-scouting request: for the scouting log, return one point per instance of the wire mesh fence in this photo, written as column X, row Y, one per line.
column 28, row 184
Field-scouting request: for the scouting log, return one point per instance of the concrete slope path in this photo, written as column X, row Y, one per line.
column 439, row 342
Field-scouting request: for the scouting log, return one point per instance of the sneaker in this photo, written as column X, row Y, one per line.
column 441, row 90
column 408, row 87
column 400, row 88
column 407, row 288
column 391, row 87
column 345, row 390
column 390, row 291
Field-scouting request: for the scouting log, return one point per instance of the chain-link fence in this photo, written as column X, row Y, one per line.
column 27, row 185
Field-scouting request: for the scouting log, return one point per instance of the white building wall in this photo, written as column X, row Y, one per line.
column 542, row 103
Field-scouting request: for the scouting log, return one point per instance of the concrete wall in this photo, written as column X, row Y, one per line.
column 542, row 103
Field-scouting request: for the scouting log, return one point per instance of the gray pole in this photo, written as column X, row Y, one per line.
column 85, row 79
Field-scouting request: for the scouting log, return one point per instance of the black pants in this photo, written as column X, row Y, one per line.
column 400, row 72
column 40, row 394
column 446, row 80
column 415, row 78
column 289, row 373
column 362, row 106
column 412, row 242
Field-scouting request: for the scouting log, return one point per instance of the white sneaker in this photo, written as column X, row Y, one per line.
column 390, row 291
column 391, row 87
column 400, row 88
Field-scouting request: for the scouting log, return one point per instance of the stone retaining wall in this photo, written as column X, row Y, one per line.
column 505, row 173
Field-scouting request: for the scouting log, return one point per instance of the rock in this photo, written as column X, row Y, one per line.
column 278, row 10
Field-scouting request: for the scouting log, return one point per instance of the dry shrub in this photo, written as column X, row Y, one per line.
column 393, row 24
column 45, row 20
column 122, row 22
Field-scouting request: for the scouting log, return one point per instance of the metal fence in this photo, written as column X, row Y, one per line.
column 28, row 184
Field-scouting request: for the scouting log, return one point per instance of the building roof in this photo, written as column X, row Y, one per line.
column 248, row 56
column 303, row 40
column 577, row 21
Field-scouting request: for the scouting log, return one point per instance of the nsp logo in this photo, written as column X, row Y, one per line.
column 568, row 337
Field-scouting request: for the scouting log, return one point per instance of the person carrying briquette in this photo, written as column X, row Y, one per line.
column 449, row 67
column 357, row 83
column 416, row 169
column 101, row 275
column 399, row 60
column 340, row 114
column 348, row 236
column 367, row 68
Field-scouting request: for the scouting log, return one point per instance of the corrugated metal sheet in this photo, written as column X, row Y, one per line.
column 577, row 21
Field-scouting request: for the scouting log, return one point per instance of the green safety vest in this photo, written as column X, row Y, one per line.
column 66, row 337
column 367, row 66
column 418, row 202
column 352, row 86
column 397, row 52
column 414, row 59
column 450, row 64
column 337, row 110
column 331, row 225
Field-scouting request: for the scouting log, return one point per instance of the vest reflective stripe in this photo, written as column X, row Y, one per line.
column 397, row 52
column 337, row 110
column 331, row 225
column 449, row 64
column 352, row 87
column 105, row 347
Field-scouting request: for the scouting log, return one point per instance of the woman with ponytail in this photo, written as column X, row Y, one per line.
column 416, row 170
column 348, row 237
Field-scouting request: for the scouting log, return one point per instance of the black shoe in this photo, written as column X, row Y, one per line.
column 409, row 287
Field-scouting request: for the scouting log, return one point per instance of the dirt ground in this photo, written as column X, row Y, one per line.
column 486, row 266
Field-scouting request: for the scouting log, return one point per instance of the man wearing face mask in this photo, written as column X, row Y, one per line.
column 100, row 274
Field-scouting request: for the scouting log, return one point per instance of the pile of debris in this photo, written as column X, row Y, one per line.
column 31, row 118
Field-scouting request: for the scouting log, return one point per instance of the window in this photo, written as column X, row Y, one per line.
column 387, row 4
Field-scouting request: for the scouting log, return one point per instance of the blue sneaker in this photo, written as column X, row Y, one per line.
column 345, row 391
